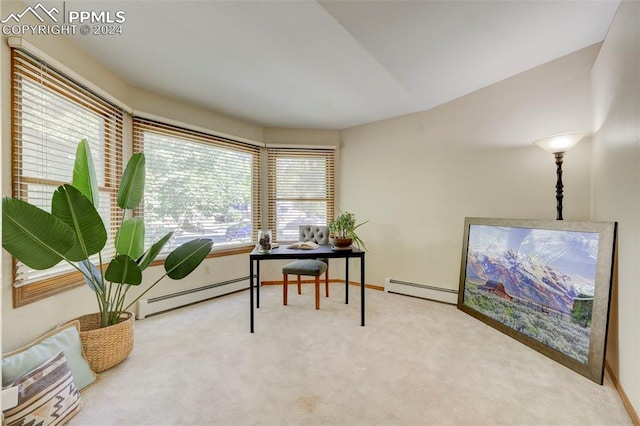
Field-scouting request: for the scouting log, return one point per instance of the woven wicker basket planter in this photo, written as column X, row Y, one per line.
column 106, row 347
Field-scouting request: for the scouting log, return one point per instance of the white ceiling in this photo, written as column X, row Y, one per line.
column 336, row 64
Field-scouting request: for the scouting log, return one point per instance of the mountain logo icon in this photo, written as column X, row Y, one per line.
column 39, row 11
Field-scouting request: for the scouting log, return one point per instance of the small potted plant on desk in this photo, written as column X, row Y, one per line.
column 342, row 232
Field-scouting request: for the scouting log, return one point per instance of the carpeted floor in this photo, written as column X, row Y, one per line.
column 416, row 362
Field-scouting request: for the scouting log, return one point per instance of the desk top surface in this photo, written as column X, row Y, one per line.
column 323, row 251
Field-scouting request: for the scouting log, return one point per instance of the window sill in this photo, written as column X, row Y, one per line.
column 42, row 289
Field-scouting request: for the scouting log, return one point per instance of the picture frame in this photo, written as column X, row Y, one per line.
column 544, row 283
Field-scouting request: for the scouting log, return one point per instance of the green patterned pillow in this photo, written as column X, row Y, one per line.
column 66, row 338
column 46, row 395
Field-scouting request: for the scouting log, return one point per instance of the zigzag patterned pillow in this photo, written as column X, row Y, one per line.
column 46, row 395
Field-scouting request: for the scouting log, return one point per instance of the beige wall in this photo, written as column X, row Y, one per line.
column 145, row 102
column 302, row 136
column 616, row 182
column 416, row 177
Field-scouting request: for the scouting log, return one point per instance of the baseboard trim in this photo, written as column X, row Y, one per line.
column 623, row 395
column 331, row 281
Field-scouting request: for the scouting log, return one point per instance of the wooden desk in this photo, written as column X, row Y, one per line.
column 323, row 252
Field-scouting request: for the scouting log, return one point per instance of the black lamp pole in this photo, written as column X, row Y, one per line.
column 558, row 145
column 559, row 157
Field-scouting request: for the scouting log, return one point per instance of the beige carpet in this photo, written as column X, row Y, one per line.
column 415, row 363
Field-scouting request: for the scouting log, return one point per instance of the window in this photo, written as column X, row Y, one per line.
column 50, row 115
column 301, row 189
column 198, row 185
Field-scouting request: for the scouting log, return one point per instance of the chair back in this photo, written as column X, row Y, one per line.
column 317, row 234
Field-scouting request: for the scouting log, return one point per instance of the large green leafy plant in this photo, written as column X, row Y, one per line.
column 74, row 232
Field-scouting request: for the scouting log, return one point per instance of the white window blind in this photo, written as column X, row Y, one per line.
column 50, row 115
column 301, row 189
column 198, row 185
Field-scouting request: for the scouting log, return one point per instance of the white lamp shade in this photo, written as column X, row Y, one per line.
column 560, row 143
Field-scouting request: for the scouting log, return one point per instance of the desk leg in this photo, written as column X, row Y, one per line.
column 362, row 290
column 346, row 281
column 251, row 293
column 258, row 283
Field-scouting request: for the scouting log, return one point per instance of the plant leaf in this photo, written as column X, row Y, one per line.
column 74, row 209
column 184, row 259
column 153, row 252
column 90, row 269
column 131, row 187
column 35, row 237
column 123, row 270
column 84, row 173
column 130, row 238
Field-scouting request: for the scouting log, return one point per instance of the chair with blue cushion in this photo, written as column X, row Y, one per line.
column 308, row 267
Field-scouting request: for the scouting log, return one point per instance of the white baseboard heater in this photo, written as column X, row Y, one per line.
column 439, row 294
column 167, row 302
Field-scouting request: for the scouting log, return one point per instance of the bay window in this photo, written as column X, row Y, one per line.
column 198, row 185
column 301, row 189
column 51, row 113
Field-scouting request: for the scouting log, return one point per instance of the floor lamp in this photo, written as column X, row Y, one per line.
column 558, row 145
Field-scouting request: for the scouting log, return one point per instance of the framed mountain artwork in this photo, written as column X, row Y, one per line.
column 547, row 284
